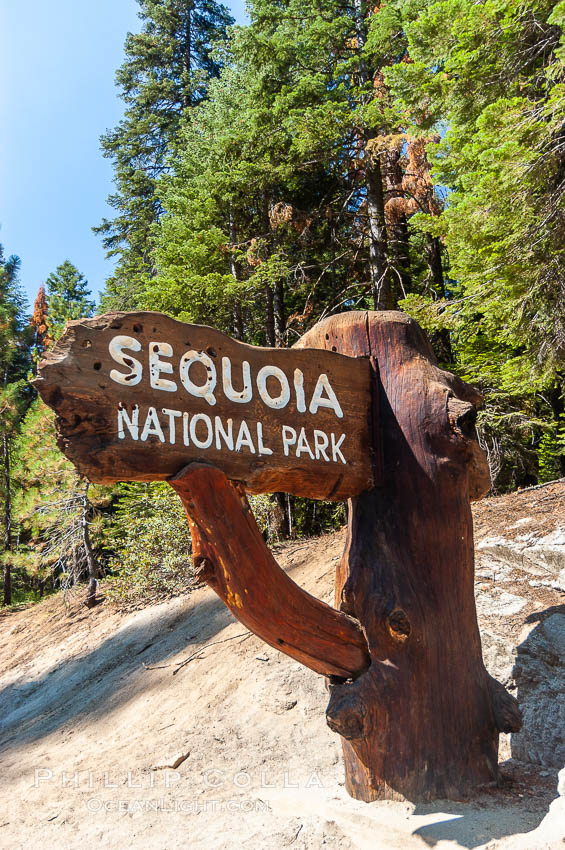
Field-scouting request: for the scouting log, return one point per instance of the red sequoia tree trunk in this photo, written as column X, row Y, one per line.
column 423, row 720
column 418, row 713
column 230, row 555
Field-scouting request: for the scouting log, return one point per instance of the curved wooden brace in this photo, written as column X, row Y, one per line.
column 231, row 556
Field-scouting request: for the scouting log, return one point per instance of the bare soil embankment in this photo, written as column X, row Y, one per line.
column 171, row 726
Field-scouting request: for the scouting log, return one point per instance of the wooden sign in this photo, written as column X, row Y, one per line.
column 138, row 396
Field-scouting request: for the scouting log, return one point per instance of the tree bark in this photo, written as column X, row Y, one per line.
column 90, row 600
column 238, row 330
column 423, row 721
column 435, row 265
column 269, row 316
column 7, row 521
column 398, row 242
column 418, row 713
column 237, row 312
column 381, row 280
column 270, row 334
column 279, row 313
column 230, row 555
column 187, row 99
column 284, row 518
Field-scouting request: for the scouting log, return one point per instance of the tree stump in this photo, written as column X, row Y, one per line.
column 423, row 721
column 409, row 694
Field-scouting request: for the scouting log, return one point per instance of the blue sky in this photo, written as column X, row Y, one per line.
column 57, row 65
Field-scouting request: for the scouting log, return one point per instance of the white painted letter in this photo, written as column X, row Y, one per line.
column 201, row 444
column 263, row 449
column 303, row 444
column 247, row 392
column 331, row 401
column 221, row 432
column 320, row 444
column 185, row 429
column 299, row 389
column 132, row 424
column 244, row 438
column 288, row 437
column 206, row 390
column 172, row 430
column 335, row 448
column 273, row 372
column 116, row 346
column 152, row 426
column 156, row 366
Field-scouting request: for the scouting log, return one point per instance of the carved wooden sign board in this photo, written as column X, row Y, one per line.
column 138, row 396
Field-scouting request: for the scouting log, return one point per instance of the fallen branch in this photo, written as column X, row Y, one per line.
column 207, row 646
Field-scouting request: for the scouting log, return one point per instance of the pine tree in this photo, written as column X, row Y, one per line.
column 57, row 512
column 166, row 71
column 15, row 394
column 291, row 186
column 40, row 323
column 218, row 259
column 320, row 73
column 67, row 297
column 491, row 75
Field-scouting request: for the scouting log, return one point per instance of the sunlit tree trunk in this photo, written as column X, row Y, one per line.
column 7, row 521
column 90, row 559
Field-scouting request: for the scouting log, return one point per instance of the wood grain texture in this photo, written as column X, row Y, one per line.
column 423, row 721
column 410, row 696
column 231, row 556
column 74, row 379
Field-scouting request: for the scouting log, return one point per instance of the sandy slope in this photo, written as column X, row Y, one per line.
column 95, row 705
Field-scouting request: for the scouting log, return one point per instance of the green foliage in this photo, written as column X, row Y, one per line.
column 311, row 518
column 15, row 359
column 48, row 507
column 67, row 296
column 44, row 503
column 307, row 517
column 551, row 452
column 323, row 157
column 15, row 342
column 41, row 471
column 149, row 543
column 490, row 75
column 269, row 206
column 265, row 225
column 166, row 70
column 267, row 516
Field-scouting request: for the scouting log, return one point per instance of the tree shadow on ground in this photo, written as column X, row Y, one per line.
column 529, row 780
column 96, row 682
column 518, row 806
column 110, row 675
column 539, row 673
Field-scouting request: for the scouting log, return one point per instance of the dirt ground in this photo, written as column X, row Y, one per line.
column 538, row 509
column 171, row 726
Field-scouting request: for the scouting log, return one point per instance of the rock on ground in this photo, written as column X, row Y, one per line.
column 520, row 570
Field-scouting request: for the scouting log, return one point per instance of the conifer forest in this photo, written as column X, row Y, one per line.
column 326, row 156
